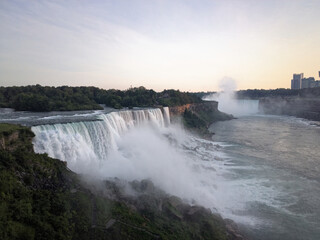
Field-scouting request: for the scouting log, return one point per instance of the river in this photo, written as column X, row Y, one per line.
column 275, row 178
column 260, row 171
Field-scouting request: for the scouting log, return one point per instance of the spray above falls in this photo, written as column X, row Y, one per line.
column 141, row 144
column 228, row 102
column 136, row 145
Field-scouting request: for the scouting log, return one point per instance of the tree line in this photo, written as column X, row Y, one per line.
column 43, row 98
column 280, row 92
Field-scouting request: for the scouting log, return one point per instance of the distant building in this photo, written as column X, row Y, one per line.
column 299, row 82
column 296, row 81
column 308, row 82
column 316, row 83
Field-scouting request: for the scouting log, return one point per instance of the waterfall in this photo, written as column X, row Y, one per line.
column 141, row 144
column 135, row 145
column 82, row 144
column 166, row 114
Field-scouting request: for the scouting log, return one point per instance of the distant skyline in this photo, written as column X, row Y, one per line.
column 160, row 44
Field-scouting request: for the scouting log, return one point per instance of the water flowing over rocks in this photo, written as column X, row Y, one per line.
column 85, row 143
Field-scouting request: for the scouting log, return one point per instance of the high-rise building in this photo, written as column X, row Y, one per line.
column 308, row 82
column 296, row 81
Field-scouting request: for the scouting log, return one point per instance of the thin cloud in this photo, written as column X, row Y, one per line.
column 167, row 44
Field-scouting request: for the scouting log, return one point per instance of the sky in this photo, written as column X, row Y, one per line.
column 189, row 45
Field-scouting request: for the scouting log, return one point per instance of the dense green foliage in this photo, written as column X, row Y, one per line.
column 6, row 128
column 280, row 92
column 203, row 94
column 193, row 121
column 176, row 98
column 41, row 199
column 201, row 120
column 39, row 98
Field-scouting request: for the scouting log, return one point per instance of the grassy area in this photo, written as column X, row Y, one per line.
column 6, row 128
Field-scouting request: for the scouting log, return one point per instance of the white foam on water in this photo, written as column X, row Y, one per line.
column 141, row 144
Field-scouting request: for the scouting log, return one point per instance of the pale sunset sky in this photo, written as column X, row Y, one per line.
column 160, row 44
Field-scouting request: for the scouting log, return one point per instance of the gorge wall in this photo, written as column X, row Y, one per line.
column 197, row 117
column 200, row 115
column 308, row 108
column 194, row 108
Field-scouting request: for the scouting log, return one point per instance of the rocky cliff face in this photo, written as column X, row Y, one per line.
column 207, row 112
column 197, row 117
column 308, row 108
column 194, row 108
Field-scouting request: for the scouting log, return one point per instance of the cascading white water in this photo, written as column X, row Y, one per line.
column 140, row 144
column 82, row 144
column 253, row 180
column 136, row 145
